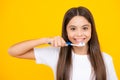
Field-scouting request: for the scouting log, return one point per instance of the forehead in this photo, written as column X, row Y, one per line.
column 78, row 21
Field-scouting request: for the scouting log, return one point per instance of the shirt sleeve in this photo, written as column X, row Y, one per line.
column 47, row 56
column 111, row 73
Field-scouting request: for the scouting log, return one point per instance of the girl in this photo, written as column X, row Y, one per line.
column 69, row 62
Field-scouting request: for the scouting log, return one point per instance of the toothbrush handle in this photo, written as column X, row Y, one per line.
column 68, row 43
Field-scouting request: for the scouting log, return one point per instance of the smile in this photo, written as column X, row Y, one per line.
column 79, row 39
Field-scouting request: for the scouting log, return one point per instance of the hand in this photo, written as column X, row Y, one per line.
column 57, row 42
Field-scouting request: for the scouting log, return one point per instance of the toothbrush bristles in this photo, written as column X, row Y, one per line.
column 81, row 44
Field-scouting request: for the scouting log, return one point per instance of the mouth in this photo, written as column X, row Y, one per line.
column 78, row 40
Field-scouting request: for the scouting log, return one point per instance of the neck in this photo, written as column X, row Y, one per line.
column 81, row 50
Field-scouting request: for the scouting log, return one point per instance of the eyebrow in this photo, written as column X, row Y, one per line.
column 81, row 26
column 86, row 25
column 72, row 26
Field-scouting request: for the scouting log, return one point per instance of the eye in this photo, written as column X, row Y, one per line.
column 85, row 28
column 72, row 29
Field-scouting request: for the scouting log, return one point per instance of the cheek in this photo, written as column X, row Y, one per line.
column 70, row 35
column 88, row 34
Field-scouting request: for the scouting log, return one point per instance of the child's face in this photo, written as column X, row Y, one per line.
column 79, row 30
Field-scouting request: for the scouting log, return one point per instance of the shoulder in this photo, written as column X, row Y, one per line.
column 46, row 55
column 106, row 55
column 111, row 74
column 107, row 58
column 46, row 50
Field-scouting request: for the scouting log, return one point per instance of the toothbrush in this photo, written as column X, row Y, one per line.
column 81, row 44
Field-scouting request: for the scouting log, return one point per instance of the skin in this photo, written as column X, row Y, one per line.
column 78, row 29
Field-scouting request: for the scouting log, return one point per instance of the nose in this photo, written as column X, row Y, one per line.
column 80, row 33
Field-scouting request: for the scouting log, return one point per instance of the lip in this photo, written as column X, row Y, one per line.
column 78, row 40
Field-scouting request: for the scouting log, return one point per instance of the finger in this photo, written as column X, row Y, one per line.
column 59, row 41
column 51, row 42
column 63, row 42
column 56, row 41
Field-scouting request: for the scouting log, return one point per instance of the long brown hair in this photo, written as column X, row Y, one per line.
column 65, row 60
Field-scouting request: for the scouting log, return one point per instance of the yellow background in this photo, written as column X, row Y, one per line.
column 30, row 19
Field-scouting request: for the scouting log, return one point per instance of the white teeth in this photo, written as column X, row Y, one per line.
column 80, row 40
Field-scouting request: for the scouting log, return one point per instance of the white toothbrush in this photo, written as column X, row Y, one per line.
column 81, row 44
